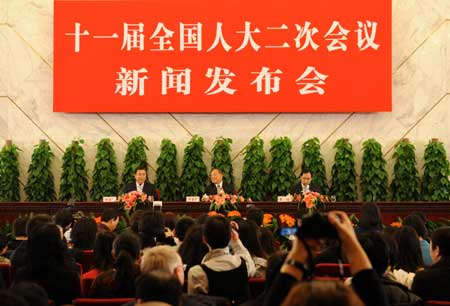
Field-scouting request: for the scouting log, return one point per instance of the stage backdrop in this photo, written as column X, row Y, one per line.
column 420, row 99
column 222, row 56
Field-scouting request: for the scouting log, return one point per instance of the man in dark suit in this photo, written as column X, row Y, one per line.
column 217, row 183
column 141, row 184
column 304, row 185
column 434, row 283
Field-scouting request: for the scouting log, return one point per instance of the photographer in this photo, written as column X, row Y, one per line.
column 365, row 282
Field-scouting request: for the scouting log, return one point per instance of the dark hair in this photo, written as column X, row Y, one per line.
column 103, row 259
column 268, row 242
column 274, row 264
column 45, row 248
column 83, row 233
column 217, row 231
column 136, row 218
column 201, row 219
column 219, row 170
column 151, row 228
column 159, row 286
column 421, row 215
column 141, row 167
column 3, row 241
column 305, row 170
column 8, row 298
column 389, row 235
column 255, row 214
column 170, row 220
column 409, row 252
column 370, row 217
column 34, row 294
column 416, row 222
column 192, row 250
column 250, row 235
column 64, row 218
column 19, row 227
column 182, row 227
column 441, row 238
column 36, row 222
column 108, row 214
column 127, row 249
column 376, row 249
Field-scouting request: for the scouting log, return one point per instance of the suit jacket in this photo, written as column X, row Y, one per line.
column 211, row 189
column 149, row 189
column 297, row 188
column 433, row 283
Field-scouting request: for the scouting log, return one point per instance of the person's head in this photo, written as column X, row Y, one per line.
column 8, row 298
column 3, row 244
column 19, row 227
column 159, row 286
column 151, row 228
column 440, row 244
column 255, row 214
column 376, row 249
column 305, row 177
column 170, row 220
column 83, row 233
column 322, row 293
column 409, row 252
column 34, row 294
column 217, row 232
column 370, row 217
column 136, row 218
column 250, row 235
column 103, row 259
column 216, row 176
column 416, row 222
column 389, row 235
column 37, row 221
column 193, row 249
column 182, row 227
column 165, row 258
column 64, row 218
column 140, row 175
column 110, row 218
column 45, row 246
column 268, row 242
column 126, row 251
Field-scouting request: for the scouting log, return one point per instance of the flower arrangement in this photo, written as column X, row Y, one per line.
column 234, row 214
column 213, row 213
column 131, row 200
column 396, row 224
column 287, row 220
column 223, row 202
column 311, row 200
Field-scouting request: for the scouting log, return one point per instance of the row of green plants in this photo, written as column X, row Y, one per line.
column 261, row 179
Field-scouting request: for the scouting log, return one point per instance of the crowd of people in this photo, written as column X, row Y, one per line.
column 167, row 260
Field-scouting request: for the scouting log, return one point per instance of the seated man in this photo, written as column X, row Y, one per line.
column 304, row 185
column 222, row 273
column 217, row 184
column 110, row 220
column 141, row 184
column 158, row 286
column 434, row 283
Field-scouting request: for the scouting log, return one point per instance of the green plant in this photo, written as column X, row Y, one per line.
column 74, row 182
column 40, row 185
column 134, row 158
column 9, row 173
column 105, row 175
column 405, row 182
column 313, row 160
column 343, row 173
column 435, row 183
column 281, row 175
column 254, row 172
column 167, row 180
column 374, row 177
column 222, row 159
column 194, row 175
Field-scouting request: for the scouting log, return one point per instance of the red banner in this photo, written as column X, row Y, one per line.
column 222, row 56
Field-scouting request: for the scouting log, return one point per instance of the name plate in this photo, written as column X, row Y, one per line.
column 284, row 199
column 193, row 199
column 109, row 199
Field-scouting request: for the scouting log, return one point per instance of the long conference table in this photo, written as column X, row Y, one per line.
column 390, row 210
